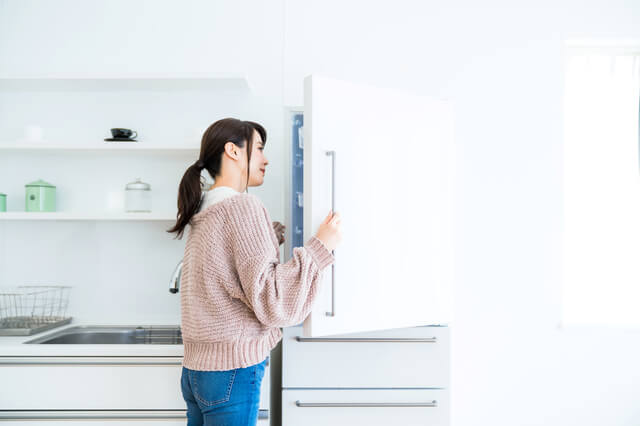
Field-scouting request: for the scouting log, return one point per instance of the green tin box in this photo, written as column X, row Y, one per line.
column 40, row 196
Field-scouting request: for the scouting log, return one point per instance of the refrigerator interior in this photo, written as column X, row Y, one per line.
column 296, row 172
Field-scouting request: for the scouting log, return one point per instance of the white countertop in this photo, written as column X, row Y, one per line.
column 11, row 346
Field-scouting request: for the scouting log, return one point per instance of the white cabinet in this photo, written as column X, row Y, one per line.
column 383, row 159
column 91, row 386
column 386, row 377
column 97, row 389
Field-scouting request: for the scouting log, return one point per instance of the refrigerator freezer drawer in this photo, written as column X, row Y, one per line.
column 370, row 407
column 407, row 357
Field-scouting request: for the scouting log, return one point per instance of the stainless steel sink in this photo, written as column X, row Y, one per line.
column 121, row 335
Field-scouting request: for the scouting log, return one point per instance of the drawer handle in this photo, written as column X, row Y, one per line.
column 70, row 360
column 433, row 403
column 368, row 339
column 92, row 414
column 102, row 414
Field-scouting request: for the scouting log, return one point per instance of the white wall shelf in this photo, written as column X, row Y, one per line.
column 95, row 216
column 123, row 81
column 98, row 147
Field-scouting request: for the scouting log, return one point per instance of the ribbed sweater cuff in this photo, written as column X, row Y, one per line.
column 319, row 252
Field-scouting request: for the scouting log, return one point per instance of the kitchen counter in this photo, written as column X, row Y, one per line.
column 11, row 346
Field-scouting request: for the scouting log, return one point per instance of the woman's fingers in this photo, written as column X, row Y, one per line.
column 326, row 219
column 332, row 217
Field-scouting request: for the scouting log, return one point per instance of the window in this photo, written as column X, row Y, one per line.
column 601, row 232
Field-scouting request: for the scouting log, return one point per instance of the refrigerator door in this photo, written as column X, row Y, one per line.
column 384, row 160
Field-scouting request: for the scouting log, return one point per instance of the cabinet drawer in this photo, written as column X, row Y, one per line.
column 388, row 358
column 371, row 407
column 91, row 383
column 76, row 383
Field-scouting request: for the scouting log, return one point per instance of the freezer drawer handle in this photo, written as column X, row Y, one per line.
column 332, row 154
column 433, row 403
column 369, row 339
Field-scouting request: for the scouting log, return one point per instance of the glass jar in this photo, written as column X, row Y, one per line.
column 138, row 196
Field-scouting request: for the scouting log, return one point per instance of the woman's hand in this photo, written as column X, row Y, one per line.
column 279, row 228
column 329, row 231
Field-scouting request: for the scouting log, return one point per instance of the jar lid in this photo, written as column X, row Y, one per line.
column 40, row 182
column 2, row 193
column 139, row 184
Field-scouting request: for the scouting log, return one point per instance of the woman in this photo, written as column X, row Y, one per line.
column 235, row 295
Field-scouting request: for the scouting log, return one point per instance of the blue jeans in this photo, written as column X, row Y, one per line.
column 223, row 398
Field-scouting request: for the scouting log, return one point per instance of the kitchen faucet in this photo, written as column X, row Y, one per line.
column 174, row 284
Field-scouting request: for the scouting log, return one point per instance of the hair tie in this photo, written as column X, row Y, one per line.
column 200, row 164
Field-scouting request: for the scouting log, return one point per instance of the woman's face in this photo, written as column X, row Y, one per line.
column 258, row 161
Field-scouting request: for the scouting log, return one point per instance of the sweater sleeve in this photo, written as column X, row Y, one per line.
column 280, row 294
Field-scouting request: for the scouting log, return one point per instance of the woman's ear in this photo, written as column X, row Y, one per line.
column 231, row 149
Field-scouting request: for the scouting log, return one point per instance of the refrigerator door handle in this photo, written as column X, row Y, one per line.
column 332, row 154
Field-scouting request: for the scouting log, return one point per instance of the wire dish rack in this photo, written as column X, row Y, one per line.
column 29, row 309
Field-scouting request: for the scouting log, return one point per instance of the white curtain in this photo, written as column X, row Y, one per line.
column 601, row 238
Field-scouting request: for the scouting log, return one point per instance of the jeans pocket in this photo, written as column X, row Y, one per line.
column 212, row 387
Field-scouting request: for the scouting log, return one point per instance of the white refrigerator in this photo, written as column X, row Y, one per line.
column 384, row 159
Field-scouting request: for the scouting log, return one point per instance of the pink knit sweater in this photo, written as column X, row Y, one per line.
column 235, row 295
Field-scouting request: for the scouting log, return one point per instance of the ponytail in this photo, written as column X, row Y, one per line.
column 189, row 198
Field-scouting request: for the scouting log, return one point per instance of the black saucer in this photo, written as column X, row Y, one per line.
column 121, row 139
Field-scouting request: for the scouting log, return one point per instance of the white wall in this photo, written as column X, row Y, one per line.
column 502, row 64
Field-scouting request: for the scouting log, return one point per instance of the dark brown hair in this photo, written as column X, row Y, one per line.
column 211, row 150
